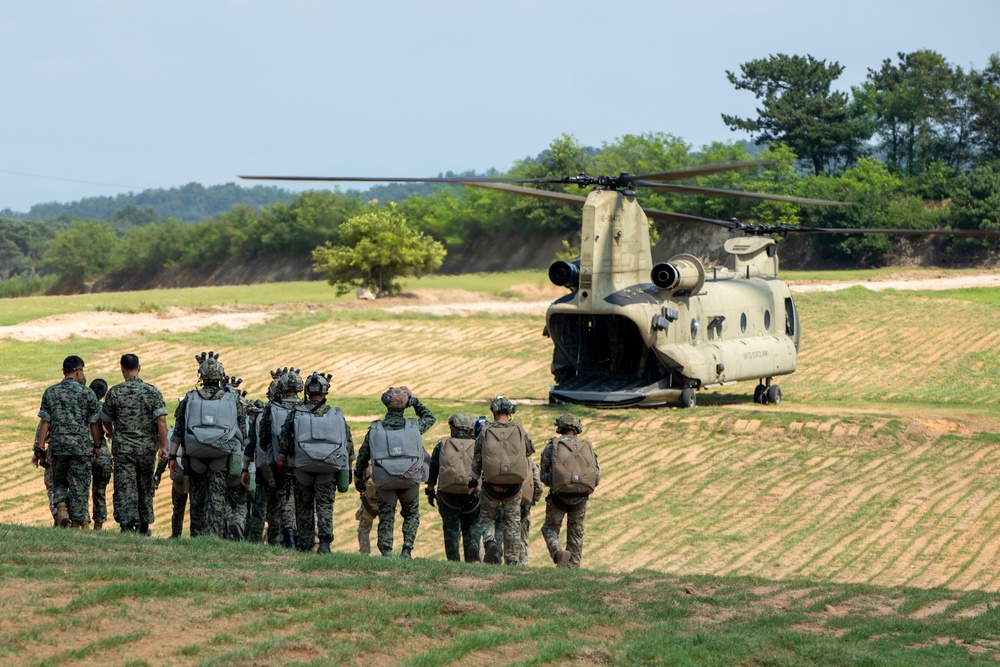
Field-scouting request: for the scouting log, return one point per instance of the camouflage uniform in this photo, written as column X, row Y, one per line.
column 313, row 503
column 70, row 408
column 459, row 513
column 409, row 500
column 279, row 506
column 102, row 469
column 557, row 506
column 497, row 496
column 365, row 516
column 179, row 489
column 207, row 489
column 132, row 407
column 526, row 504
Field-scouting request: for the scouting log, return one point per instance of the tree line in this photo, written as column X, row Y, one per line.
column 917, row 145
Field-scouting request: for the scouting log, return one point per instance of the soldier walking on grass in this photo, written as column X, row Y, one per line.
column 102, row 466
column 68, row 423
column 400, row 465
column 501, row 460
column 448, row 487
column 570, row 469
column 136, row 419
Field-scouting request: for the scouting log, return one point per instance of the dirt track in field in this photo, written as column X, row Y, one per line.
column 872, row 494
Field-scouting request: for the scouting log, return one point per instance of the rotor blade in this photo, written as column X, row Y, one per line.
column 704, row 170
column 737, row 194
column 894, row 232
column 670, row 216
column 561, row 197
column 403, row 179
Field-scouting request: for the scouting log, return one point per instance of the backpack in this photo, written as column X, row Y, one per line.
column 399, row 460
column 455, row 460
column 266, row 453
column 211, row 428
column 574, row 466
column 504, row 458
column 528, row 487
column 320, row 442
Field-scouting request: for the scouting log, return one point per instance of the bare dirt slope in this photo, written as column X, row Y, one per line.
column 863, row 474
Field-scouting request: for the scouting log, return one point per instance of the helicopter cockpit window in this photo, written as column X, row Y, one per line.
column 743, row 322
column 767, row 320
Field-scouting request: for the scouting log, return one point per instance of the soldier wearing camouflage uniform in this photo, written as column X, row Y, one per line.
column 208, row 478
column 500, row 497
column 396, row 400
column 102, row 467
column 136, row 419
column 256, row 503
column 573, row 506
column 68, row 411
column 279, row 504
column 179, row 490
column 314, row 492
column 459, row 510
column 41, row 457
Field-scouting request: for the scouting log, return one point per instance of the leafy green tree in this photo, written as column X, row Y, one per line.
column 799, row 109
column 984, row 98
column 83, row 250
column 975, row 205
column 376, row 249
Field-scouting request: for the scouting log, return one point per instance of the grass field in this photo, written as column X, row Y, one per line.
column 873, row 489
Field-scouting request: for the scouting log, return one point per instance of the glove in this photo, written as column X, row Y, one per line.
column 359, row 482
column 156, row 481
column 473, row 483
column 429, row 492
column 412, row 400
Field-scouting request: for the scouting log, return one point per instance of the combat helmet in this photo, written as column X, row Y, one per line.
column 462, row 422
column 291, row 381
column 568, row 421
column 396, row 398
column 502, row 405
column 210, row 368
column 317, row 383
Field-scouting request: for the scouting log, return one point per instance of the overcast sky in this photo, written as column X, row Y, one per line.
column 132, row 94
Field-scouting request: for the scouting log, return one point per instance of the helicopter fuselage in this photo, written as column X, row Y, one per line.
column 634, row 333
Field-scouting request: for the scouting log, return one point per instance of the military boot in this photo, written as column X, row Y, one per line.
column 492, row 552
column 62, row 515
column 562, row 558
column 324, row 547
column 236, row 532
column 472, row 554
column 98, row 525
column 80, row 524
column 288, row 538
column 405, row 553
column 144, row 529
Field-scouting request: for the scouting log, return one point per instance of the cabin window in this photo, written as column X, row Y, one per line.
column 743, row 322
column 767, row 320
column 789, row 317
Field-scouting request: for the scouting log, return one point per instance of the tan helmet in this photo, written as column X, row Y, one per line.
column 568, row 421
column 462, row 422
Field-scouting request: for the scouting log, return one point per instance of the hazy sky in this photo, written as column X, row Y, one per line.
column 132, row 94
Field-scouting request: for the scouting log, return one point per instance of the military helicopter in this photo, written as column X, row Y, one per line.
column 630, row 332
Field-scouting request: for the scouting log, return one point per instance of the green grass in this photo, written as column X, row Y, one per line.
column 224, row 604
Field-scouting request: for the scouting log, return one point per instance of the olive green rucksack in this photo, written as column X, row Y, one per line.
column 574, row 466
column 504, row 459
column 455, row 462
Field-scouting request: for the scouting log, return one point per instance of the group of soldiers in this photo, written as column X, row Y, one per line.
column 270, row 471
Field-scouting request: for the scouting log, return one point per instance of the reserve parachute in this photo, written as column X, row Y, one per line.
column 504, row 458
column 574, row 466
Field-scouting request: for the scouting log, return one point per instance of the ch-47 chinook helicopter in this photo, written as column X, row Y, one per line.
column 631, row 332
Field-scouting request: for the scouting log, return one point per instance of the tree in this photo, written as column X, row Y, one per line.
column 799, row 109
column 984, row 98
column 375, row 250
column 84, row 250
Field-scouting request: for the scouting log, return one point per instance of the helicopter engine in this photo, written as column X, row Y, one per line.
column 565, row 274
column 683, row 273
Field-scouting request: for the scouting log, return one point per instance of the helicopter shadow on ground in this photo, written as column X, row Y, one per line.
column 706, row 400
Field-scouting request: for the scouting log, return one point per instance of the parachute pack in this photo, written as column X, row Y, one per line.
column 504, row 458
column 455, row 460
column 399, row 460
column 266, row 453
column 211, row 429
column 574, row 466
column 320, row 442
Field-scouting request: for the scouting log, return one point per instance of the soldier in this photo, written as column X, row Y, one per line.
column 68, row 410
column 236, row 492
column 211, row 425
column 570, row 469
column 136, row 419
column 531, row 493
column 41, row 457
column 315, row 442
column 256, row 503
column 262, row 449
column 180, row 488
column 501, row 457
column 457, row 504
column 102, row 467
column 367, row 512
column 400, row 464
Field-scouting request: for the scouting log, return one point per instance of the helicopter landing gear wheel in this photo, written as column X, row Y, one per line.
column 760, row 394
column 688, row 399
column 774, row 394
